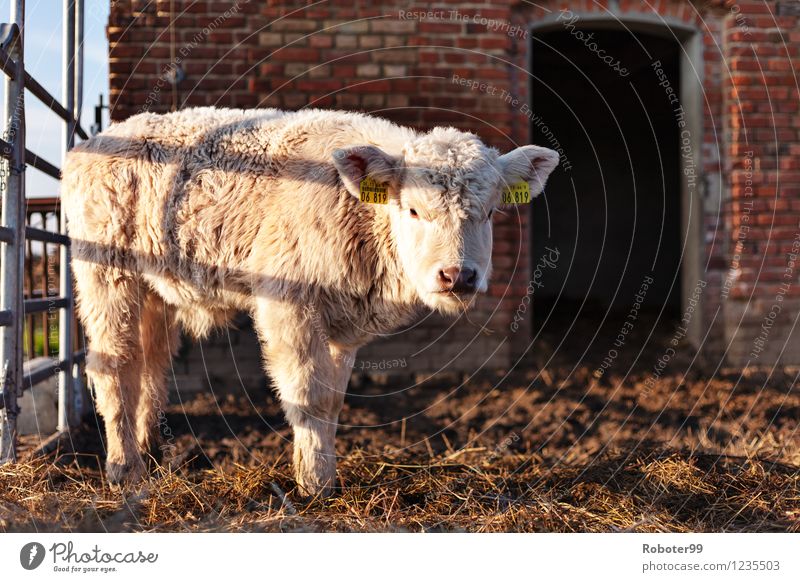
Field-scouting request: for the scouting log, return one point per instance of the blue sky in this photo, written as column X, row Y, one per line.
column 43, row 20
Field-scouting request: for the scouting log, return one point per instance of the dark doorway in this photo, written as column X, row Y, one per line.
column 612, row 210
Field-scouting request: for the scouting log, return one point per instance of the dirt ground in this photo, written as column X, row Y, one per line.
column 546, row 448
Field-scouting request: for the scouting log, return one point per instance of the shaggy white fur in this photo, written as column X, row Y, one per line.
column 180, row 220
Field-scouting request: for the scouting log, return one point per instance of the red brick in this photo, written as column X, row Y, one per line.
column 300, row 55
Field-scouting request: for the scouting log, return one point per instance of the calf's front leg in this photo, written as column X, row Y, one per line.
column 310, row 374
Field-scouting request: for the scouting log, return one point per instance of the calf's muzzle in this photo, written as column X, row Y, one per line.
column 457, row 280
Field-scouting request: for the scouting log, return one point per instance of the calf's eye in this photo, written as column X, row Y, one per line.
column 413, row 213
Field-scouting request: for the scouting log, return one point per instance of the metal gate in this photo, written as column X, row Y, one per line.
column 14, row 232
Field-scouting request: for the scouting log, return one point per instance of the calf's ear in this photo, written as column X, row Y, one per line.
column 357, row 162
column 531, row 164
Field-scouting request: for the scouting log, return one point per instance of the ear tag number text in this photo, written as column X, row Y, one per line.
column 519, row 193
column 373, row 192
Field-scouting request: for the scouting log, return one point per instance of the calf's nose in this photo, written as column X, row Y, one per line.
column 458, row 280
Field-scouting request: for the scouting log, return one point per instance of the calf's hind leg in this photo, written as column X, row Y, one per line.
column 159, row 337
column 109, row 308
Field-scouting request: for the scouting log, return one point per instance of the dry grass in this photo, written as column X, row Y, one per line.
column 644, row 492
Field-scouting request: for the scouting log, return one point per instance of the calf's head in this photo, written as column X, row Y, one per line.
column 441, row 193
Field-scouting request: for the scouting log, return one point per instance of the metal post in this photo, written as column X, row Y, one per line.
column 78, row 52
column 65, row 378
column 77, row 111
column 13, row 208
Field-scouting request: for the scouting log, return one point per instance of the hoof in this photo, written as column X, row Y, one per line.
column 312, row 487
column 306, row 494
column 124, row 473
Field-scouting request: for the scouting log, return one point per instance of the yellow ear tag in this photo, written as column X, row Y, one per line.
column 519, row 193
column 373, row 192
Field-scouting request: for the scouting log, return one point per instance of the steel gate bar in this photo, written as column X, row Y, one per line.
column 66, row 266
column 12, row 183
column 65, row 384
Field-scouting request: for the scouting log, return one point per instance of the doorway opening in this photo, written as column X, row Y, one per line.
column 612, row 213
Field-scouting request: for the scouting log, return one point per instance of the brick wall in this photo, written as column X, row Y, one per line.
column 383, row 57
column 762, row 41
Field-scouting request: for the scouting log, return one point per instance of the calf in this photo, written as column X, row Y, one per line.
column 329, row 228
